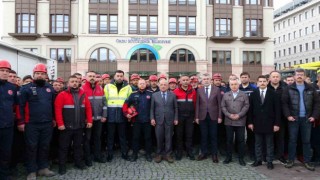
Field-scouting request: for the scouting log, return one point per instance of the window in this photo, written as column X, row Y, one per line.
column 289, row 22
column 284, row 65
column 284, row 24
column 182, row 25
column 60, row 23
column 284, row 52
column 222, row 27
column 266, row 3
column 61, row 55
column 295, row 49
column 284, row 38
column 300, row 17
column 252, row 57
column 237, row 2
column 312, row 12
column 289, row 36
column 253, row 2
column 313, row 59
column 294, row 62
column 279, row 39
column 289, row 51
column 222, row 1
column 294, row 34
column 104, row 1
column 26, row 23
column 300, row 61
column 279, row 53
column 306, row 31
column 182, row 55
column 253, row 27
column 143, row 25
column 143, row 1
column 275, row 54
column 294, row 20
column 300, row 32
column 313, row 45
column 312, row 28
column 101, row 24
column 279, row 66
column 300, row 47
column 182, row 2
column 307, row 60
column 307, row 46
column 102, row 54
column 306, row 15
column 221, row 57
column 289, row 64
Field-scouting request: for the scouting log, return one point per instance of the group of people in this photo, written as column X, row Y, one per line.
column 84, row 114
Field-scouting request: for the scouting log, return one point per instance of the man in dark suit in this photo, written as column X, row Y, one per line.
column 208, row 115
column 164, row 115
column 264, row 119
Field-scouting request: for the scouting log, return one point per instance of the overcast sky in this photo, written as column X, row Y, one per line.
column 279, row 3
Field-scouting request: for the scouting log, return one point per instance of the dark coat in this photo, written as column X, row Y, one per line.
column 264, row 116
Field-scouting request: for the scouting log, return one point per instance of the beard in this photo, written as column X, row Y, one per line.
column 40, row 82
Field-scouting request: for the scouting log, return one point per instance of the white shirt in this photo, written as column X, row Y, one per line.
column 264, row 92
column 235, row 94
column 209, row 90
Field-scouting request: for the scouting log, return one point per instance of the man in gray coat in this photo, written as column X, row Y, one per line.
column 235, row 105
column 164, row 115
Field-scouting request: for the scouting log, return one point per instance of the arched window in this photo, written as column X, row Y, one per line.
column 142, row 55
column 102, row 54
column 182, row 55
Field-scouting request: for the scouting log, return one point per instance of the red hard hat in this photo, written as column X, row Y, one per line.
column 217, row 76
column 40, row 68
column 59, row 79
column 5, row 64
column 98, row 76
column 105, row 76
column 153, row 78
column 194, row 79
column 162, row 76
column 134, row 76
column 172, row 80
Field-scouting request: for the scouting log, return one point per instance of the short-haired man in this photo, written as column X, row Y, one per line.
column 264, row 119
column 12, row 78
column 235, row 105
column 289, row 80
column 301, row 106
column 72, row 113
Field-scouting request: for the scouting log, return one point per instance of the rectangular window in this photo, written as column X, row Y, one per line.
column 312, row 28
column 300, row 17
column 253, row 2
column 222, row 27
column 266, row 3
column 294, row 62
column 284, row 65
column 274, row 54
column 222, row 1
column 62, row 55
column 312, row 12
column 306, row 15
column 295, row 49
column 60, row 23
column 306, row 31
column 182, row 25
column 143, row 25
column 313, row 45
column 253, row 28
column 289, row 22
column 251, row 57
column 294, row 34
column 300, row 47
column 221, row 57
column 289, row 51
column 289, row 36
column 284, row 24
column 307, row 46
column 307, row 61
column 279, row 53
column 300, row 32
column 26, row 23
column 102, row 24
column 313, row 59
column 284, row 38
column 237, row 2
column 284, row 52
column 294, row 20
column 289, row 64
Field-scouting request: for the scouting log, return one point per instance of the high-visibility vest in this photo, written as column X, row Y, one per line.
column 115, row 99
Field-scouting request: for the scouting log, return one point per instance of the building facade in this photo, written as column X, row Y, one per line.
column 297, row 33
column 145, row 36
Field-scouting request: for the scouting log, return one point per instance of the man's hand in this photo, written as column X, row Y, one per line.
column 311, row 119
column 89, row 125
column 276, row 128
column 103, row 119
column 54, row 123
column 250, row 126
column 175, row 122
column 21, row 128
column 153, row 122
column 197, row 121
column 129, row 116
column 61, row 128
column 219, row 120
column 290, row 118
column 236, row 116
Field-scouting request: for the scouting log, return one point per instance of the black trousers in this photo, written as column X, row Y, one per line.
column 96, row 138
column 65, row 138
column 38, row 137
column 239, row 133
column 315, row 143
column 54, row 145
column 18, row 147
column 87, row 132
column 279, row 140
column 6, row 139
column 208, row 128
column 250, row 141
column 121, row 129
column 260, row 138
column 138, row 129
column 184, row 129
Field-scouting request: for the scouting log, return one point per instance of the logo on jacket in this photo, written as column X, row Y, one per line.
column 48, row 90
column 10, row 92
column 148, row 97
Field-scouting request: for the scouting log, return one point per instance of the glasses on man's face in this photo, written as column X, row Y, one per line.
column 299, row 74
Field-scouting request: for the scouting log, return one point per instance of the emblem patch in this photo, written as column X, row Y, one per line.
column 10, row 92
column 148, row 97
column 48, row 90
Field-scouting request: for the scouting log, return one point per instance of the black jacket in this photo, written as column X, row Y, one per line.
column 279, row 91
column 264, row 116
column 291, row 101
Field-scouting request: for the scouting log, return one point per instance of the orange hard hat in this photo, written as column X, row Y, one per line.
column 217, row 76
column 105, row 76
column 153, row 78
column 134, row 76
column 172, row 80
column 40, row 68
column 5, row 64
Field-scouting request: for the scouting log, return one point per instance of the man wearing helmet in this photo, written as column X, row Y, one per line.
column 37, row 100
column 134, row 82
column 172, row 84
column 8, row 99
column 153, row 79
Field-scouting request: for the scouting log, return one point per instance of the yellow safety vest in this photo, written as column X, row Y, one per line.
column 113, row 98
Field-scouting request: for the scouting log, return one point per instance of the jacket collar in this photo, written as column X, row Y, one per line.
column 306, row 85
column 125, row 83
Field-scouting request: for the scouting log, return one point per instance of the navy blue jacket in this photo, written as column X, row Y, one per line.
column 8, row 100
column 249, row 89
column 141, row 100
column 36, row 103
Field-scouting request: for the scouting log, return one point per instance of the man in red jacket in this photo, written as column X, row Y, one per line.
column 73, row 113
column 186, row 97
